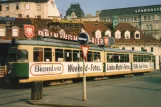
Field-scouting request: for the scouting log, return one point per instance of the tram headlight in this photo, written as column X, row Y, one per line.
column 9, row 71
column 9, row 68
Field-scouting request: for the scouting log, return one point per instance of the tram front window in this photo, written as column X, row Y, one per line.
column 22, row 55
column 12, row 54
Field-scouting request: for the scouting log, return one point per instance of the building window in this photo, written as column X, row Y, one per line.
column 15, row 32
column 17, row 6
column 159, row 17
column 152, row 17
column 38, row 7
column 135, row 19
column 150, row 27
column 117, row 36
column 133, row 49
column 7, row 7
column 27, row 16
column 124, row 19
column 20, row 15
column 147, row 27
column 156, row 26
column 127, row 36
column 152, row 50
column 145, row 17
column 27, row 6
column 0, row 7
column 149, row 18
column 130, row 19
column 137, row 36
column 2, row 32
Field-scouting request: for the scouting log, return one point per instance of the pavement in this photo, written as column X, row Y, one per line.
column 133, row 92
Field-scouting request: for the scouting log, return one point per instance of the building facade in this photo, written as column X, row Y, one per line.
column 45, row 9
column 146, row 18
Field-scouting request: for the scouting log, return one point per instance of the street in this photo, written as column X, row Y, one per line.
column 133, row 91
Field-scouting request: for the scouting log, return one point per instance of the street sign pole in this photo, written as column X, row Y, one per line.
column 83, row 39
column 85, row 52
column 84, row 84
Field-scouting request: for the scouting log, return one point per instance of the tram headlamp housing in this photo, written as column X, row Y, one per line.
column 9, row 68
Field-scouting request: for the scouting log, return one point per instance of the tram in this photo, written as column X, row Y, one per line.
column 52, row 59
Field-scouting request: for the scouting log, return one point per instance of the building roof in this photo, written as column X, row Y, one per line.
column 130, row 10
column 74, row 29
column 91, row 27
column 76, row 9
column 12, row 1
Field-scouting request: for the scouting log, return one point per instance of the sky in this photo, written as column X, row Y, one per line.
column 91, row 6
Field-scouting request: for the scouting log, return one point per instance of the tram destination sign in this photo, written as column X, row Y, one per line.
column 83, row 38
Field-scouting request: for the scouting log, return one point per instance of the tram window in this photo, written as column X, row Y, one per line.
column 47, row 55
column 68, row 55
column 141, row 58
column 135, row 58
column 126, row 57
column 144, row 58
column 76, row 55
column 109, row 57
column 89, row 57
column 22, row 55
column 12, row 54
column 122, row 57
column 97, row 56
column 38, row 54
column 116, row 57
column 153, row 58
column 59, row 55
column 81, row 56
column 149, row 58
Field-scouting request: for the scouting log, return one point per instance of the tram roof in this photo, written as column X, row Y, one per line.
column 116, row 50
column 5, row 41
column 125, row 51
column 56, row 43
column 141, row 52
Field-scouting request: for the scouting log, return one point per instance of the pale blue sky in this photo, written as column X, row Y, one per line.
column 91, row 6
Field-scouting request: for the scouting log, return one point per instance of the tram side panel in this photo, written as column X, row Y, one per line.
column 28, row 72
column 117, row 63
column 142, row 62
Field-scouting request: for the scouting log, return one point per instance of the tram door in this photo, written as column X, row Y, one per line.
column 3, row 58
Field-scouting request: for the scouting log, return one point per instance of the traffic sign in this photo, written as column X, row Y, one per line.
column 106, row 41
column 111, row 41
column 83, row 38
column 85, row 51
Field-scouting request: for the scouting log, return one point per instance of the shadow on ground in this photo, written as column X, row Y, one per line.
column 153, row 79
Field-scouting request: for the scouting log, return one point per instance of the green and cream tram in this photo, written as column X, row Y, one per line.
column 52, row 59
